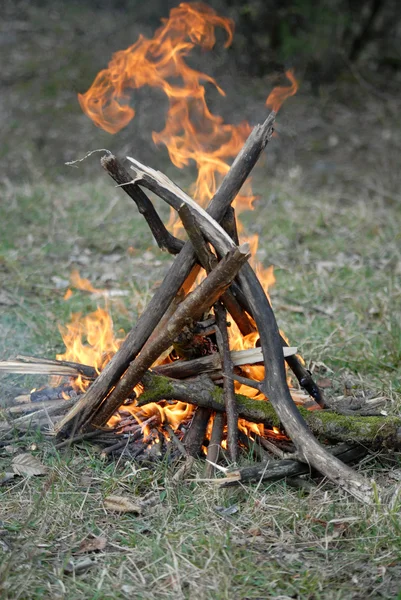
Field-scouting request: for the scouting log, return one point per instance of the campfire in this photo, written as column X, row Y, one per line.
column 205, row 371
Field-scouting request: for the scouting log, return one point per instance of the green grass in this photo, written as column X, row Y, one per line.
column 280, row 542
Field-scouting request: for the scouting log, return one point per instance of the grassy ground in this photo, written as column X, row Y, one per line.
column 337, row 256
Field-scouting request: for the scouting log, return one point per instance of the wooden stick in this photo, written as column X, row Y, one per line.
column 176, row 441
column 31, row 365
column 253, row 446
column 44, row 412
column 203, row 253
column 32, row 407
column 175, row 277
column 305, row 378
column 81, row 438
column 195, row 435
column 281, row 469
column 208, row 260
column 229, row 224
column 228, row 385
column 125, row 441
column 179, row 369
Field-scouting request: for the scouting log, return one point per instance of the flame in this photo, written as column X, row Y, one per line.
column 80, row 283
column 192, row 134
column 281, row 93
column 90, row 341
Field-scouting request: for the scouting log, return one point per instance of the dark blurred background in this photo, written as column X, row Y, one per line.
column 346, row 55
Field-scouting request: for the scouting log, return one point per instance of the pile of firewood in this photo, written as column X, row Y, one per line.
column 188, row 320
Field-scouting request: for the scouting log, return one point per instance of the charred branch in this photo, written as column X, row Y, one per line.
column 194, row 438
column 229, row 224
column 214, row 447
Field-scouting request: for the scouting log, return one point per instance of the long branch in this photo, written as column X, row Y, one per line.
column 163, row 237
column 279, row 469
column 374, row 432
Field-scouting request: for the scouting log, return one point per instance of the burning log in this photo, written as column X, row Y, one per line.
column 274, row 385
column 373, row 432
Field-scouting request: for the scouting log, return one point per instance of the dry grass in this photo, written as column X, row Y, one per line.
column 272, row 541
column 332, row 256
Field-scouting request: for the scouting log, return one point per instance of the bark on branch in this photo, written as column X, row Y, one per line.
column 121, row 176
column 375, row 432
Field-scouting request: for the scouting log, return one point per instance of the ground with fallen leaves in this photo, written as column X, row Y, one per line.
column 328, row 213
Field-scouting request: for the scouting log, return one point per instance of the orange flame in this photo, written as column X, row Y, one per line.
column 80, row 283
column 191, row 132
column 280, row 94
column 90, row 341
